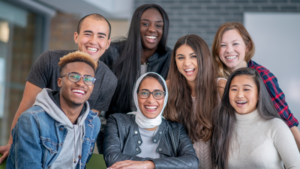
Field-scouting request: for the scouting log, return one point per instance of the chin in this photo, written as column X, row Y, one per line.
column 77, row 104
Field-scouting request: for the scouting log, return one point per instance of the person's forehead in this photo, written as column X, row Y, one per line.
column 152, row 13
column 242, row 79
column 91, row 22
column 79, row 67
column 150, row 83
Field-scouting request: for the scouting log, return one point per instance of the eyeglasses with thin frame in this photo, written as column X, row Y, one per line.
column 157, row 94
column 75, row 77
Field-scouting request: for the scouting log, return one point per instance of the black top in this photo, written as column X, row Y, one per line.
column 45, row 72
column 122, row 142
column 158, row 62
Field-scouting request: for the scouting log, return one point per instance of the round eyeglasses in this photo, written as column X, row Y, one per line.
column 157, row 94
column 75, row 77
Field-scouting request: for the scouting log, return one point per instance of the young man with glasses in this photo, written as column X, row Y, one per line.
column 93, row 38
column 59, row 131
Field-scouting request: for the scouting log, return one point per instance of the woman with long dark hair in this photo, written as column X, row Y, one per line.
column 143, row 139
column 193, row 92
column 143, row 51
column 247, row 130
column 233, row 48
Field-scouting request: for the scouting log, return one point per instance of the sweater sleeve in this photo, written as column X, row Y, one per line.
column 285, row 144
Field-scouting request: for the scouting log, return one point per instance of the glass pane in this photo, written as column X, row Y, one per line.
column 18, row 38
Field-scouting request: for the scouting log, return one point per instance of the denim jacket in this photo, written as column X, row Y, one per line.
column 38, row 140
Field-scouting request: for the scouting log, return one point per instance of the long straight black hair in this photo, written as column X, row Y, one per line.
column 127, row 67
column 224, row 117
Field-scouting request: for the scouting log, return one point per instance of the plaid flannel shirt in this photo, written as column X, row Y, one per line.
column 276, row 94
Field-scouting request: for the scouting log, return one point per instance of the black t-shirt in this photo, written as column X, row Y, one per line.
column 45, row 72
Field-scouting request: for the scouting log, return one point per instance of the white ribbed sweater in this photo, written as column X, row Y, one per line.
column 259, row 143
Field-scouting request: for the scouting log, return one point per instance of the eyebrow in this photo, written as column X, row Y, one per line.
column 99, row 33
column 183, row 55
column 149, row 20
column 243, row 85
column 82, row 75
column 231, row 41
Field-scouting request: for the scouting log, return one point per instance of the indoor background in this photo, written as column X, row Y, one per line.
column 30, row 27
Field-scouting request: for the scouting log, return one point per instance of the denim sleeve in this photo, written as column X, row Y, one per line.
column 112, row 145
column 97, row 124
column 186, row 156
column 26, row 151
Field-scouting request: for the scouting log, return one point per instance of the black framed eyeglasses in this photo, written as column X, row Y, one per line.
column 75, row 77
column 145, row 94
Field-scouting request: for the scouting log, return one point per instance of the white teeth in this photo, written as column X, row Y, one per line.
column 188, row 70
column 78, row 91
column 230, row 57
column 241, row 102
column 151, row 107
column 151, row 37
column 92, row 49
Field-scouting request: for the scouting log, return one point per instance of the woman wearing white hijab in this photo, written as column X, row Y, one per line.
column 143, row 139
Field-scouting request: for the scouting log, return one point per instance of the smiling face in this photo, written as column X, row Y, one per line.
column 150, row 107
column 186, row 62
column 233, row 50
column 93, row 37
column 75, row 93
column 151, row 28
column 243, row 94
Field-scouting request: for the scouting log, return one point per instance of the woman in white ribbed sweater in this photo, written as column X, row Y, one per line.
column 247, row 130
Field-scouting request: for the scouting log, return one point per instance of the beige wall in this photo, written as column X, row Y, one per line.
column 64, row 25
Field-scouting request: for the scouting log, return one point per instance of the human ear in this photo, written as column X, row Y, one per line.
column 59, row 82
column 76, row 37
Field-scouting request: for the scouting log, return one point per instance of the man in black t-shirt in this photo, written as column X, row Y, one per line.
column 93, row 38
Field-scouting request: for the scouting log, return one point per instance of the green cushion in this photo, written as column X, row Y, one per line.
column 2, row 166
column 96, row 161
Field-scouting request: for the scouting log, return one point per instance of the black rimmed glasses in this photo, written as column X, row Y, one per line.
column 145, row 94
column 75, row 77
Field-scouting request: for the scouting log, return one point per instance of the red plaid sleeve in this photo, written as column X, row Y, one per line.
column 276, row 94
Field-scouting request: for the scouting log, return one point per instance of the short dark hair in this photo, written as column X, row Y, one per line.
column 94, row 16
column 76, row 57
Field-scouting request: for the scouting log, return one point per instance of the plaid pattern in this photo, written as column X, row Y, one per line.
column 276, row 94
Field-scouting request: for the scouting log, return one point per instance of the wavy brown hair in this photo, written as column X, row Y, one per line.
column 221, row 68
column 180, row 105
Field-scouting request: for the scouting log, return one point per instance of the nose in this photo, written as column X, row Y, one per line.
column 80, row 82
column 152, row 28
column 151, row 99
column 92, row 39
column 240, row 94
column 187, row 62
column 229, row 48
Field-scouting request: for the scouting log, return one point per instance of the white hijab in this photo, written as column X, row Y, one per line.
column 140, row 119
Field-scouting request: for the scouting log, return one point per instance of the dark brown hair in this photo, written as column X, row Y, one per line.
column 221, row 68
column 180, row 104
column 224, row 117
